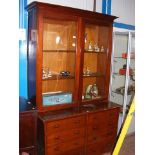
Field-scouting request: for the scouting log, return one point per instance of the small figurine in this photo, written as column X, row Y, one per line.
column 97, row 49
column 49, row 74
column 90, row 47
column 94, row 91
column 102, row 49
column 44, row 75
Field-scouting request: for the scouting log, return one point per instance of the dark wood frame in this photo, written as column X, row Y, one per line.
column 82, row 17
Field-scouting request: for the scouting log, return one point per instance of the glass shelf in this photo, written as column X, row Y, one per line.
column 117, row 57
column 55, row 77
column 94, row 52
column 93, row 75
column 59, row 50
column 117, row 92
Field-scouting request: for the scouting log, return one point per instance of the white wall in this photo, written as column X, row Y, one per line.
column 125, row 10
column 80, row 4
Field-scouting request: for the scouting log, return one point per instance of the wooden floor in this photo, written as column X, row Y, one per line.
column 128, row 147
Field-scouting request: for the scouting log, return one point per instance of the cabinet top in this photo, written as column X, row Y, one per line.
column 70, row 11
column 75, row 111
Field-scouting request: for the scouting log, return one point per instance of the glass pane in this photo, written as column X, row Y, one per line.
column 59, row 48
column 95, row 55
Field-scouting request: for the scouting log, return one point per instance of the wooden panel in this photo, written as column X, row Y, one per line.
column 63, row 147
column 96, row 149
column 97, row 118
column 65, row 85
column 79, row 151
column 90, row 61
column 65, row 124
column 27, row 129
column 65, row 30
column 65, row 136
column 61, row 61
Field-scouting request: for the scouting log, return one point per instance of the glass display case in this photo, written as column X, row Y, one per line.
column 95, row 59
column 123, row 70
column 59, row 59
column 69, row 57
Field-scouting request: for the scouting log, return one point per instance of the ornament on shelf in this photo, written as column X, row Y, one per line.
column 90, row 47
column 102, row 49
column 96, row 48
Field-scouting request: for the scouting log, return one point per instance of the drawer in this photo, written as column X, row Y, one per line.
column 95, row 138
column 97, row 129
column 112, row 115
column 96, row 149
column 108, row 137
column 78, row 151
column 65, row 136
column 64, row 147
column 65, row 124
column 96, row 118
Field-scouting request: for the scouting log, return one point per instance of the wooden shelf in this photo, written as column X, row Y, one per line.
column 59, row 77
column 94, row 52
column 93, row 75
column 94, row 99
column 67, row 51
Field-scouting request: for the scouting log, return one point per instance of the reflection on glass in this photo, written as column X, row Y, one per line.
column 95, row 56
column 58, row 68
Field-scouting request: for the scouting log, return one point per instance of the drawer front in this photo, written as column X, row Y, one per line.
column 78, row 151
column 65, row 124
column 96, row 118
column 108, row 137
column 97, row 129
column 96, row 149
column 65, row 136
column 64, row 147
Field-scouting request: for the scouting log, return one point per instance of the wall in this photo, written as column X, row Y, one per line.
column 81, row 4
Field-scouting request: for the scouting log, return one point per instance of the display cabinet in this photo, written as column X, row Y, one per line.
column 123, row 70
column 69, row 53
column 69, row 57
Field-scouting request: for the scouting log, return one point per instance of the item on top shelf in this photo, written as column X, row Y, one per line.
column 52, row 98
column 46, row 73
column 65, row 73
column 102, row 49
column 87, row 71
column 96, row 48
column 49, row 74
column 90, row 47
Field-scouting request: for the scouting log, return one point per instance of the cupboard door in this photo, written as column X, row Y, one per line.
column 96, row 48
column 59, row 61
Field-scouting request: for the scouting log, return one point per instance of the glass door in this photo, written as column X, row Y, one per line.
column 95, row 61
column 58, row 68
